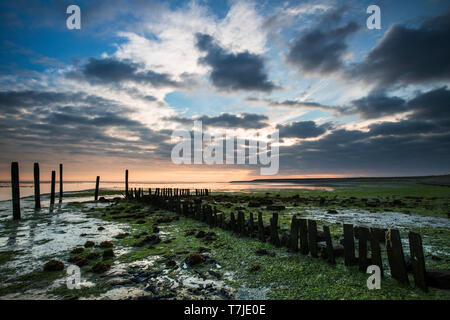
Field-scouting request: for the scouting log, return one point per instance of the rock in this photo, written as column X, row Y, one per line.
column 100, row 267
column 190, row 232
column 215, row 274
column 100, row 228
column 92, row 255
column 79, row 261
column 89, row 244
column 153, row 239
column 164, row 219
column 106, row 244
column 254, row 268
column 193, row 259
column 438, row 279
column 274, row 207
column 122, row 235
column 77, row 250
column 155, row 229
column 108, row 253
column 200, row 234
column 171, row 263
column 103, row 199
column 54, row 265
column 436, row 258
column 331, row 211
column 254, row 204
column 338, row 249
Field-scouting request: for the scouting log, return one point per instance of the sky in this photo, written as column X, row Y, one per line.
column 346, row 100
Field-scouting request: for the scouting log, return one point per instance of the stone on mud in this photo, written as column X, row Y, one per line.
column 54, row 265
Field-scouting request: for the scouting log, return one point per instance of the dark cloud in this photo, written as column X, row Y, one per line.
column 302, row 129
column 430, row 105
column 227, row 120
column 353, row 151
column 321, row 49
column 75, row 123
column 409, row 55
column 378, row 104
column 241, row 71
column 112, row 71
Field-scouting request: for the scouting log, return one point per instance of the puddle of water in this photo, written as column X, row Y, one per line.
column 374, row 219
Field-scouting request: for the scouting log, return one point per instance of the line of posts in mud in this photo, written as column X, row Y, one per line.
column 304, row 237
column 129, row 193
column 37, row 193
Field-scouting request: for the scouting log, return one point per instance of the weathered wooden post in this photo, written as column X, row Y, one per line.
column 126, row 183
column 312, row 237
column 261, row 234
column 251, row 225
column 52, row 189
column 396, row 257
column 60, row 182
column 274, row 237
column 15, row 190
column 349, row 245
column 303, row 228
column 293, row 243
column 417, row 260
column 330, row 252
column 363, row 237
column 97, row 183
column 376, row 251
column 37, row 188
column 232, row 222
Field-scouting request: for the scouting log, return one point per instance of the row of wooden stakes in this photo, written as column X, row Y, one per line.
column 304, row 237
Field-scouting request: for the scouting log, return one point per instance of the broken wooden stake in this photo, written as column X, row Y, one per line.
column 15, row 190
column 363, row 262
column 37, row 188
column 330, row 252
column 97, row 183
column 261, row 234
column 312, row 237
column 396, row 257
column 376, row 250
column 303, row 228
column 60, row 182
column 349, row 245
column 274, row 237
column 52, row 189
column 417, row 260
column 293, row 243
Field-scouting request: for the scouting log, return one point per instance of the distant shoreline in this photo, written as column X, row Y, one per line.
column 443, row 180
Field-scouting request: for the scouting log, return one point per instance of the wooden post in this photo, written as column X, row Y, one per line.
column 396, row 257
column 97, row 183
column 417, row 260
column 15, row 190
column 60, row 182
column 126, row 183
column 261, row 234
column 251, row 225
column 274, row 237
column 376, row 250
column 293, row 243
column 52, row 189
column 349, row 245
column 330, row 252
column 363, row 237
column 303, row 236
column 312, row 237
column 232, row 222
column 37, row 190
